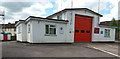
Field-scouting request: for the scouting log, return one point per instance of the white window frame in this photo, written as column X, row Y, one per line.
column 49, row 27
column 107, row 33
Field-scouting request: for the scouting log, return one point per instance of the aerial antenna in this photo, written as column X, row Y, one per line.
column 98, row 6
column 98, row 11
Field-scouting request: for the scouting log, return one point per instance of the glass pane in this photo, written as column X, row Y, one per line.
column 107, row 33
column 88, row 31
column 47, row 29
column 54, row 30
column 82, row 31
column 52, row 25
column 76, row 30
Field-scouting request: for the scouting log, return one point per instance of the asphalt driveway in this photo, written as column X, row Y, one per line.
column 16, row 49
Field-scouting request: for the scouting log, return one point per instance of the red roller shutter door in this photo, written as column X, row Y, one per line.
column 83, row 28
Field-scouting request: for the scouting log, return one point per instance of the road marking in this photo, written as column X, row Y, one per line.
column 104, row 51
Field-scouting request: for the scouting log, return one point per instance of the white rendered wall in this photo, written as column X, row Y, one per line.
column 19, row 35
column 95, row 23
column 29, row 34
column 71, row 15
column 101, row 38
column 22, row 36
column 63, row 14
column 39, row 36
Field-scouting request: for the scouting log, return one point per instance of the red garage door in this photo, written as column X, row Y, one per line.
column 83, row 28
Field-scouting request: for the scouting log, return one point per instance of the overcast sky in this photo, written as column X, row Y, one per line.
column 15, row 10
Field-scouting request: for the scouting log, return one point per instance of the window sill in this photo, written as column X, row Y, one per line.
column 50, row 35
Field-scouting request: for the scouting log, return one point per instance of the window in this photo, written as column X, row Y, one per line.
column 88, row 31
column 59, row 17
column 51, row 29
column 107, row 33
column 28, row 28
column 82, row 31
column 76, row 30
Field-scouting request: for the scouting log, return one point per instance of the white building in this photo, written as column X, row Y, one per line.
column 66, row 26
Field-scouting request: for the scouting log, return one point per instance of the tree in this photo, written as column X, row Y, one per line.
column 113, row 22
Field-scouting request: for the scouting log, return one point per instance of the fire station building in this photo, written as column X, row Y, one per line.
column 66, row 26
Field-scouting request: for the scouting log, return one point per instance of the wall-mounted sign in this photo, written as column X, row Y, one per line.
column 61, row 30
column 96, row 30
column 101, row 32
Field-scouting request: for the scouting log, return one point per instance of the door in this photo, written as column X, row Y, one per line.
column 5, row 37
column 83, row 28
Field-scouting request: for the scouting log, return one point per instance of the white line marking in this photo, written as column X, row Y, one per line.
column 104, row 51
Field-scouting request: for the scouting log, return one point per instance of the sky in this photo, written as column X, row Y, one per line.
column 20, row 9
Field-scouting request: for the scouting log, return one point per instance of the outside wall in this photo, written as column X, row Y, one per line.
column 30, row 33
column 101, row 38
column 21, row 36
column 24, row 32
column 71, row 15
column 39, row 35
column 37, row 29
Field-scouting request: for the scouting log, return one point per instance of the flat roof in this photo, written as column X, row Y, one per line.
column 46, row 19
column 108, row 26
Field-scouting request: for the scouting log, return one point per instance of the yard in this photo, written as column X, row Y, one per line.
column 17, row 49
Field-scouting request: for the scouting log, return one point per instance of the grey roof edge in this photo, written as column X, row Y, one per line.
column 46, row 18
column 75, row 9
column 108, row 26
column 19, row 22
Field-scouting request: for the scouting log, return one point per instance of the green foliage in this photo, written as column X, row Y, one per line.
column 113, row 22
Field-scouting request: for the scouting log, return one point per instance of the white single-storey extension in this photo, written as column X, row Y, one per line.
column 66, row 26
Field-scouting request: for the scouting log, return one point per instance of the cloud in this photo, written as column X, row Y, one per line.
column 38, row 9
column 113, row 12
column 11, row 8
column 16, row 6
column 21, row 10
column 93, row 5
